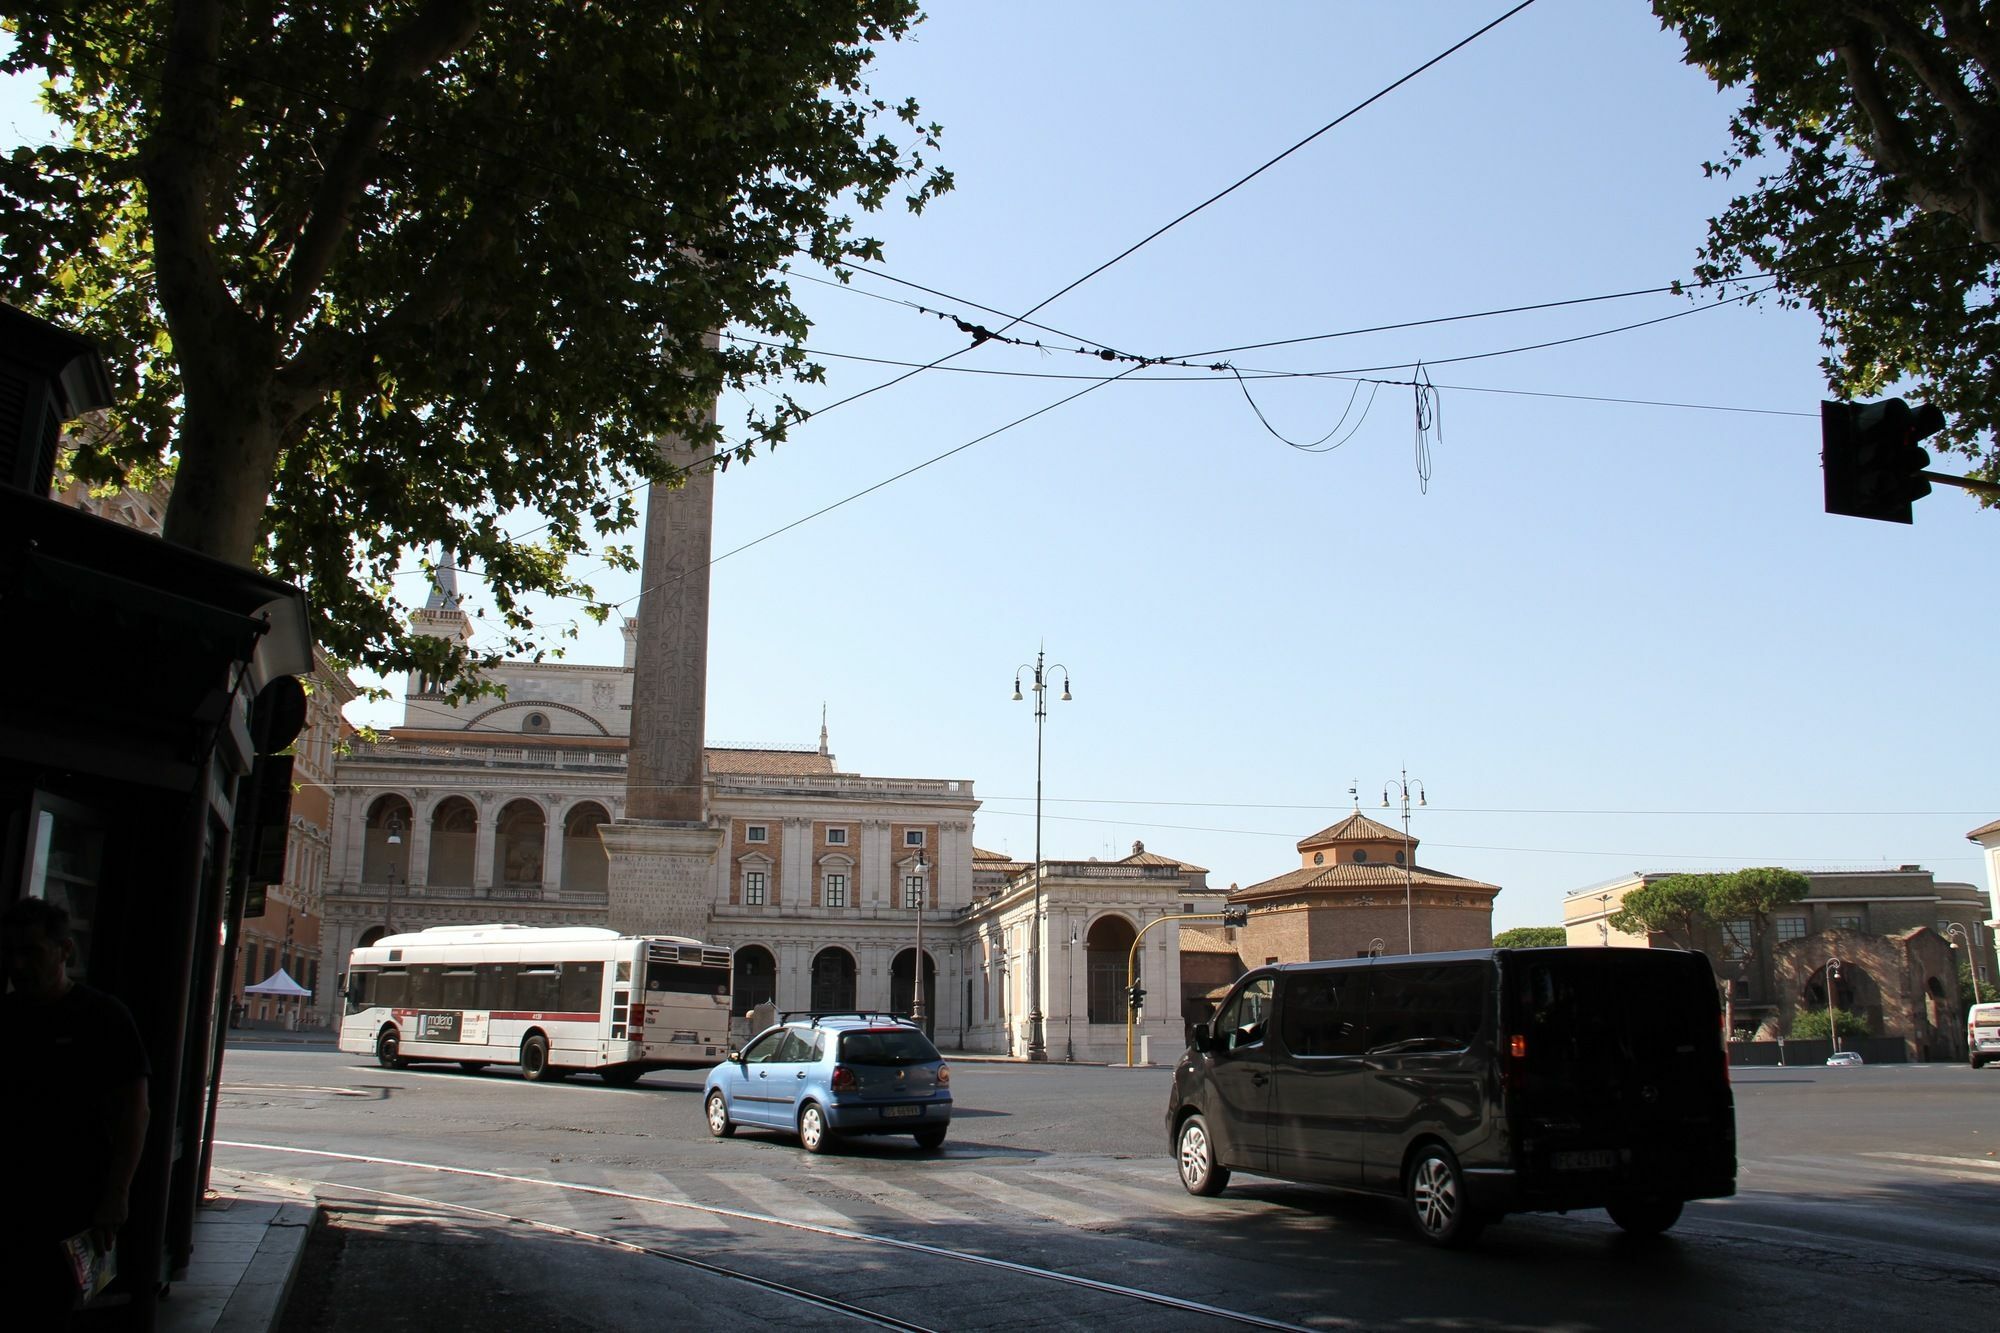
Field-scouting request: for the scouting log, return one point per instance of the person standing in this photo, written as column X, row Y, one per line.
column 74, row 1117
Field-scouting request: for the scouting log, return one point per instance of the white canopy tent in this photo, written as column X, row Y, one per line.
column 278, row 983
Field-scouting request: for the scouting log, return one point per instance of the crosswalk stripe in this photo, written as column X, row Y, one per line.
column 683, row 1220
column 1034, row 1202
column 1175, row 1201
column 1975, row 1164
column 896, row 1198
column 778, row 1199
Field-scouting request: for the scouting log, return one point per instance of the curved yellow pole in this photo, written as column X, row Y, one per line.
column 1131, row 965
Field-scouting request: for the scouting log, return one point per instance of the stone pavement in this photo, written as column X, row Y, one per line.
column 249, row 1238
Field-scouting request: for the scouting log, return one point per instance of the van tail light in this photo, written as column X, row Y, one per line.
column 1514, row 1067
column 844, row 1080
column 1517, row 1046
column 944, row 1076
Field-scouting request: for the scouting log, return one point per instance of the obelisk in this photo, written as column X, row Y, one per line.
column 662, row 853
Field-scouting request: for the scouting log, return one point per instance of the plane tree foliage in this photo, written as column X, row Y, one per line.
column 1868, row 149
column 1684, row 908
column 369, row 274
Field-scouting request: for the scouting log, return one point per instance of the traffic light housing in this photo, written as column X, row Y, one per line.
column 1872, row 462
column 1135, row 995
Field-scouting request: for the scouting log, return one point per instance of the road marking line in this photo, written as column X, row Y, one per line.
column 897, row 1198
column 1175, row 1201
column 1930, row 1159
column 1034, row 1202
column 782, row 1200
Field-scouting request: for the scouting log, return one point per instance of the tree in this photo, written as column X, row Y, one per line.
column 1878, row 125
column 1813, row 1025
column 371, row 275
column 1531, row 937
column 1684, row 907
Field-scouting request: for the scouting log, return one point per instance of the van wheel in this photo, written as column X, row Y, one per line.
column 814, row 1136
column 535, row 1066
column 1645, row 1217
column 1434, row 1188
column 1195, row 1152
column 388, row 1050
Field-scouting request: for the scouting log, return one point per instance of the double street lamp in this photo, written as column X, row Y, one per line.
column 1402, row 785
column 1832, row 979
column 394, row 828
column 1036, row 1049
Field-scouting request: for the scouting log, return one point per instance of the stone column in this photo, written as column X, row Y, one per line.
column 663, row 851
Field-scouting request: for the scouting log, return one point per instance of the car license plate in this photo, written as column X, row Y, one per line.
column 902, row 1110
column 1591, row 1159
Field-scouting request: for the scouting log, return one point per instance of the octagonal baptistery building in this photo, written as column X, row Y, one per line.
column 1347, row 899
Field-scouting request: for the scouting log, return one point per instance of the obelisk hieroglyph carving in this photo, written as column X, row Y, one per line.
column 663, row 851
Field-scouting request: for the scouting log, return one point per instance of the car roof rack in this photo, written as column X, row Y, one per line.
column 865, row 1015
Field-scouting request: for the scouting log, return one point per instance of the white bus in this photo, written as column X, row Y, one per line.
column 552, row 1000
column 1982, row 1033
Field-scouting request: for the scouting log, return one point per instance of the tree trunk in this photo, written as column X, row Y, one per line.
column 228, row 447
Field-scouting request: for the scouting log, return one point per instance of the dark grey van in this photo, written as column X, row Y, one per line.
column 1470, row 1084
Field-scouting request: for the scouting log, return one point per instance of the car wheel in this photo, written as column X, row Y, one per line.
column 1645, row 1217
column 535, row 1066
column 388, row 1050
column 930, row 1139
column 718, row 1116
column 1195, row 1152
column 1434, row 1189
column 814, row 1136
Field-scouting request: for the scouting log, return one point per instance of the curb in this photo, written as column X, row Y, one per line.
column 259, row 1300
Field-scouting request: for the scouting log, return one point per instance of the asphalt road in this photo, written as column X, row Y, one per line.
column 1870, row 1199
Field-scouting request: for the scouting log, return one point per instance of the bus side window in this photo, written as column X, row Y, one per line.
column 391, row 989
column 582, row 989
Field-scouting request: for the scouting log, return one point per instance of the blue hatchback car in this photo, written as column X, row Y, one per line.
column 824, row 1075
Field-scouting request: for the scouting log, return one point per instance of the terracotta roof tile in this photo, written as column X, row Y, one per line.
column 1357, row 827
column 770, row 763
column 1350, row 876
column 1984, row 829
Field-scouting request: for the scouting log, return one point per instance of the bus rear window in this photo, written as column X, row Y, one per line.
column 687, row 979
column 886, row 1046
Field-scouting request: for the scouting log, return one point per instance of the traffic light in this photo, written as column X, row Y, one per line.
column 1135, row 994
column 1235, row 916
column 1871, row 459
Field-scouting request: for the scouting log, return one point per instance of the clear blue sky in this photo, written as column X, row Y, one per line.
column 1609, row 636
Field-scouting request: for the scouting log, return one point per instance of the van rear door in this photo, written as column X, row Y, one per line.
column 1620, row 1081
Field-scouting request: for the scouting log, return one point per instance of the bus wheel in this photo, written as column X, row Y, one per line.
column 620, row 1076
column 535, row 1066
column 814, row 1136
column 1434, row 1188
column 1645, row 1217
column 388, row 1047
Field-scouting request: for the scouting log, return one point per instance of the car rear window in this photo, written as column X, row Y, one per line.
column 886, row 1046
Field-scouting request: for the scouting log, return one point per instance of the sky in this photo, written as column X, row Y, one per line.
column 1594, row 612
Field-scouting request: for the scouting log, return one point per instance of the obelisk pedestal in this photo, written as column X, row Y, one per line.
column 662, row 852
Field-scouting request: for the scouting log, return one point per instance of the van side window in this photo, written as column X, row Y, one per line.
column 1241, row 1022
column 1324, row 1013
column 1426, row 1008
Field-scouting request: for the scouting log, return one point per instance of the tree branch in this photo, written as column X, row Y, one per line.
column 438, row 30
column 1895, row 152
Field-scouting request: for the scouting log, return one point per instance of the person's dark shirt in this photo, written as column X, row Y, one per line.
column 69, row 1056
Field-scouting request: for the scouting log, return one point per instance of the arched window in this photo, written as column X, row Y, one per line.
column 755, row 980
column 1107, row 947
column 833, row 981
column 454, row 834
column 517, row 846
column 385, row 852
column 585, row 867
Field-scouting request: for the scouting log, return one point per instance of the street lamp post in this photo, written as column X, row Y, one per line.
column 919, row 879
column 1070, row 947
column 1971, row 962
column 395, row 839
column 1832, row 1026
column 1402, row 785
column 1036, row 1049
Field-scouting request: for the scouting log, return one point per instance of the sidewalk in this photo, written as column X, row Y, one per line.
column 249, row 1239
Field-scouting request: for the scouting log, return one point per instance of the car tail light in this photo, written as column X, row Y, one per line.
column 844, row 1080
column 944, row 1076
